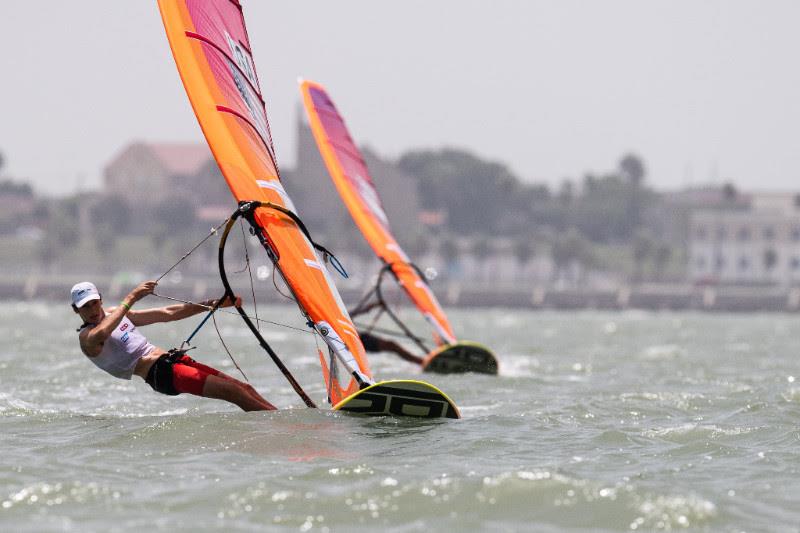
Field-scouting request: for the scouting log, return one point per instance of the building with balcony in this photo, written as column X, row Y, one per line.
column 758, row 244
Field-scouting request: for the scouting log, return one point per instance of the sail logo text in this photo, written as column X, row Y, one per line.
column 244, row 63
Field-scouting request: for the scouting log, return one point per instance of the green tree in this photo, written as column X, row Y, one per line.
column 477, row 195
column 159, row 235
column 60, row 234
column 111, row 210
column 569, row 248
column 420, row 246
column 48, row 251
column 642, row 248
column 770, row 259
column 481, row 249
column 175, row 213
column 632, row 169
column 105, row 240
column 64, row 225
column 524, row 249
column 19, row 189
column 172, row 219
column 566, row 193
column 730, row 193
column 448, row 248
column 661, row 258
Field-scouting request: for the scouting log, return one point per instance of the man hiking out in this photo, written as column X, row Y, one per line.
column 111, row 340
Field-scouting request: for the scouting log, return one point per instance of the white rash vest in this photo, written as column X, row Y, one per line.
column 122, row 350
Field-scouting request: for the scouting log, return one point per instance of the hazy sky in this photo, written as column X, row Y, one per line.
column 702, row 90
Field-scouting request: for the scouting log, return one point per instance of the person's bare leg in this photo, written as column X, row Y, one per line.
column 247, row 387
column 233, row 391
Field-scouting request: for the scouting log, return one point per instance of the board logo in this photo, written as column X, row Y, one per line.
column 382, row 400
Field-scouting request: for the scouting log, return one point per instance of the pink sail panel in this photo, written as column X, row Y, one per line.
column 349, row 172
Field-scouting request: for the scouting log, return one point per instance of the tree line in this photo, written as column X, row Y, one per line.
column 481, row 199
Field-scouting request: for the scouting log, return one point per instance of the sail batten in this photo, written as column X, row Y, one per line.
column 209, row 42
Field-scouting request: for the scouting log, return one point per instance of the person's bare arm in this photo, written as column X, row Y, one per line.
column 364, row 309
column 387, row 345
column 175, row 312
column 92, row 339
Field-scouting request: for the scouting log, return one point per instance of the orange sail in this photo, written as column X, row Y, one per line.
column 212, row 50
column 349, row 172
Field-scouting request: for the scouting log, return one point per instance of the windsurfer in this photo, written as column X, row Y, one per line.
column 111, row 340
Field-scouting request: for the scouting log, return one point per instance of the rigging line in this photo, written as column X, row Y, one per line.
column 362, row 307
column 252, row 205
column 256, row 89
column 233, row 112
column 376, row 318
column 246, row 257
column 275, row 284
column 196, row 246
column 250, row 272
column 202, row 323
column 383, row 331
column 322, row 357
column 246, row 209
column 390, row 313
column 231, row 61
column 228, row 351
column 219, row 310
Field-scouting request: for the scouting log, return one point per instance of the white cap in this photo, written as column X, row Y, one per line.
column 83, row 292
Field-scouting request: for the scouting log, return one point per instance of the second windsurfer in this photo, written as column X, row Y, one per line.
column 111, row 340
column 373, row 343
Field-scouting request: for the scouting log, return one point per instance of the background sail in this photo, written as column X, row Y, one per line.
column 212, row 50
column 349, row 172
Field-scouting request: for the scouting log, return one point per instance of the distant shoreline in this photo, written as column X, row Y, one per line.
column 646, row 296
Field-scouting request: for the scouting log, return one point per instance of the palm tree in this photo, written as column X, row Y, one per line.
column 632, row 169
column 729, row 192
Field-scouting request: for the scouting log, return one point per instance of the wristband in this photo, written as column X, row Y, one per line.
column 125, row 305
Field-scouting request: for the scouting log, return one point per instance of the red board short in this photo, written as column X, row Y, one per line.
column 190, row 376
column 176, row 372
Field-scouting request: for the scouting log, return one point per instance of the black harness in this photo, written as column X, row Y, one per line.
column 159, row 377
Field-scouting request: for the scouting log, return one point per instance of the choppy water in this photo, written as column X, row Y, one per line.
column 598, row 422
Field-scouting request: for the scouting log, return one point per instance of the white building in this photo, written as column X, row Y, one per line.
column 759, row 244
